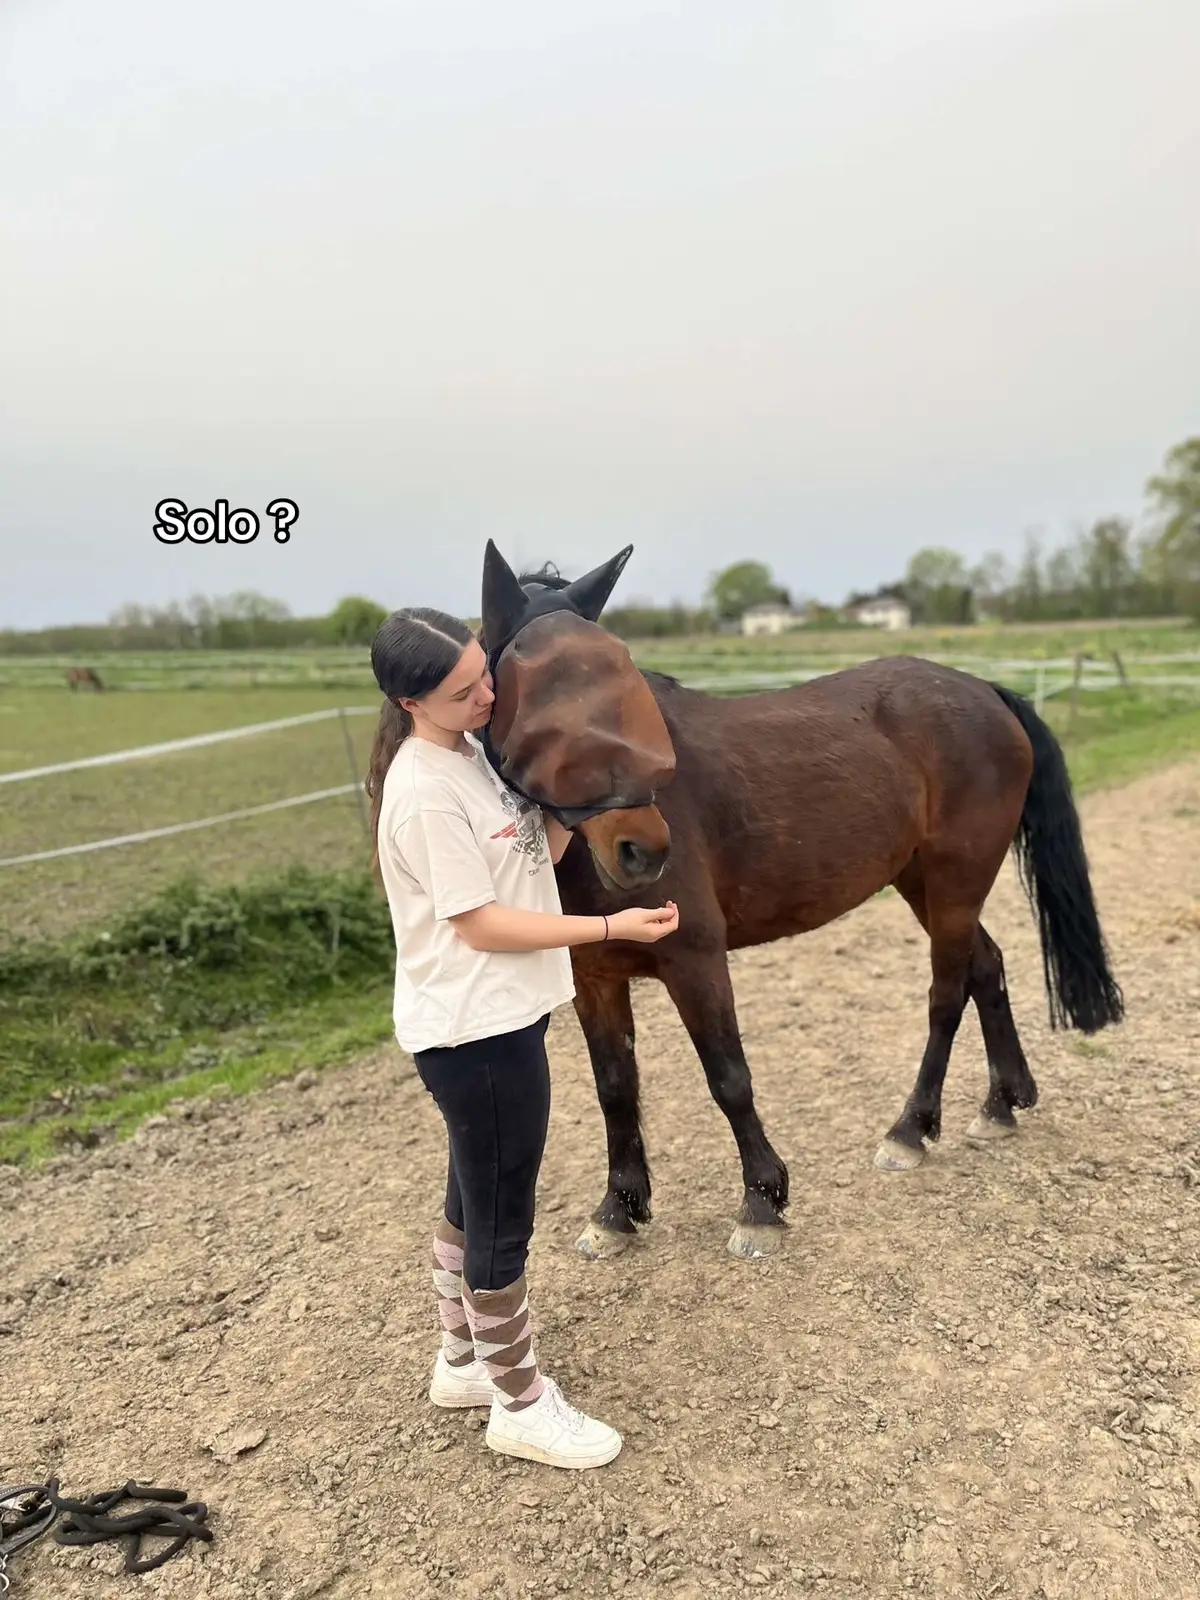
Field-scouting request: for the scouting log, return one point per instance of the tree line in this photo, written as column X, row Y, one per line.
column 245, row 620
column 1112, row 569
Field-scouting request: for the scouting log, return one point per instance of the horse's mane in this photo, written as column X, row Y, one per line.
column 548, row 576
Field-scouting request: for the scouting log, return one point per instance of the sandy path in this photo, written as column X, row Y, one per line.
column 979, row 1379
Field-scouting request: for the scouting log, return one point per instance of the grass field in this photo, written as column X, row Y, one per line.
column 190, row 670
column 725, row 653
column 87, row 1055
column 37, row 729
column 1111, row 735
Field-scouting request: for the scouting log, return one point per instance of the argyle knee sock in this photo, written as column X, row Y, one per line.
column 448, row 1245
column 499, row 1320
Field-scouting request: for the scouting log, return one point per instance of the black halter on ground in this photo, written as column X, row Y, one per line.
column 88, row 1521
column 546, row 602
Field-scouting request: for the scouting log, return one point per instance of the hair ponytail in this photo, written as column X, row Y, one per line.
column 393, row 728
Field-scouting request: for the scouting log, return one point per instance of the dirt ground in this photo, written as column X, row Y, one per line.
column 978, row 1379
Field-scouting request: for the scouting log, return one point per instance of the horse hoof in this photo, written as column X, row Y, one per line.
column 602, row 1244
column 753, row 1241
column 892, row 1156
column 984, row 1130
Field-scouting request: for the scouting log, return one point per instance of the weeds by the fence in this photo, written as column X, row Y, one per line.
column 202, row 983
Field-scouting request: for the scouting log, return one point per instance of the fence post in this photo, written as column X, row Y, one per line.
column 1120, row 665
column 1075, row 682
column 1039, row 693
column 354, row 774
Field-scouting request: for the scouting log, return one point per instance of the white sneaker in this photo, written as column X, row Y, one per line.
column 457, row 1387
column 552, row 1431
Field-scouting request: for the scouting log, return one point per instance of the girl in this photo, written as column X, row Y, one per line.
column 481, row 961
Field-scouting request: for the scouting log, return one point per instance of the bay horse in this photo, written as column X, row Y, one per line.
column 88, row 675
column 769, row 815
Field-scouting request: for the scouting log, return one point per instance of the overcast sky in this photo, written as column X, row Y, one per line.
column 818, row 282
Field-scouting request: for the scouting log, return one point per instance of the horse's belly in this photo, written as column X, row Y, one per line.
column 782, row 915
column 816, row 870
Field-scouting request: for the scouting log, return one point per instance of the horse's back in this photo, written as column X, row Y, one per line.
column 955, row 725
column 937, row 718
column 813, row 798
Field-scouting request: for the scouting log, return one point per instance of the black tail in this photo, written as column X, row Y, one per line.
column 1081, row 990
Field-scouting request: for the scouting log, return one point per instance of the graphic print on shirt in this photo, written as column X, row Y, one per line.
column 526, row 830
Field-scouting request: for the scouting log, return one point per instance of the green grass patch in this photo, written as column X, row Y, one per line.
column 1114, row 755
column 202, row 985
column 323, row 1034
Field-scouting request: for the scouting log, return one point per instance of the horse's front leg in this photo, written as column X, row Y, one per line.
column 605, row 1013
column 701, row 988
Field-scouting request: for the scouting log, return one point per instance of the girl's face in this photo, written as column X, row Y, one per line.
column 462, row 702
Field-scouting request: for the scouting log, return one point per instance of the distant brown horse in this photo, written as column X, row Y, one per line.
column 768, row 815
column 88, row 675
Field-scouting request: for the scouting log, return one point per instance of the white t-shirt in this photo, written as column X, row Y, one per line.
column 453, row 836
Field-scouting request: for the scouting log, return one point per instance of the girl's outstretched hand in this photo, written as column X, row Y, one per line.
column 644, row 924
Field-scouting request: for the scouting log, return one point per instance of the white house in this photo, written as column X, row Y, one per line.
column 769, row 618
column 885, row 611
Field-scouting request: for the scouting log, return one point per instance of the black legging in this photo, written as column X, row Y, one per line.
column 495, row 1097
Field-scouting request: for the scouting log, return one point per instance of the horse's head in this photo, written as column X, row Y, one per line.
column 575, row 725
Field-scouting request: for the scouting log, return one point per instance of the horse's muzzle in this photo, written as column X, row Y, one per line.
column 638, row 864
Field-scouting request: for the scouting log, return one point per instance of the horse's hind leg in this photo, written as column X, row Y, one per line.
column 952, row 921
column 1010, row 1083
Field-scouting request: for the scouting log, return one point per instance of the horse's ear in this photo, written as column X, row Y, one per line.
column 590, row 593
column 504, row 600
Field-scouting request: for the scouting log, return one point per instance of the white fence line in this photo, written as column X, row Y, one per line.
column 178, row 827
column 1101, row 676
column 142, row 751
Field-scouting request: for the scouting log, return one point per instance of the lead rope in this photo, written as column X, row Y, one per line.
column 87, row 1521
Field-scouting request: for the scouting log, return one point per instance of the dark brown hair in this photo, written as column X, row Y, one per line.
column 413, row 651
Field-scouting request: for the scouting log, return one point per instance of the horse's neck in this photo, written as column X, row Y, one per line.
column 694, row 720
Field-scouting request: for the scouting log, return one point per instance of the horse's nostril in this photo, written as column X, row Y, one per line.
column 632, row 857
column 638, row 862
